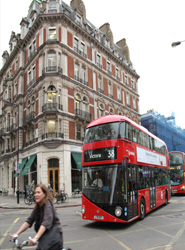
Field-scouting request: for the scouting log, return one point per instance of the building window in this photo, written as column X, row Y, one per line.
column 126, row 80
column 82, row 48
column 76, row 44
column 78, row 20
column 77, row 101
column 111, row 111
column 51, row 94
column 85, row 104
column 117, row 74
column 98, row 59
column 76, row 72
column 119, row 94
column 134, row 103
column 100, row 85
column 52, row 6
column 110, row 90
column 128, row 99
column 51, row 126
column 59, row 60
column 33, row 104
column 132, row 85
column 59, row 96
column 101, row 110
column 78, row 132
column 52, row 60
column 108, row 68
column 52, row 34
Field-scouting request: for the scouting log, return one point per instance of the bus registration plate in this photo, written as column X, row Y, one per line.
column 100, row 217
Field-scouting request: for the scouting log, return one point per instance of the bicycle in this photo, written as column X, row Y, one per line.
column 30, row 198
column 18, row 245
column 61, row 197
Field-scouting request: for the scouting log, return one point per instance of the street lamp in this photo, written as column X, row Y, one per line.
column 175, row 44
column 18, row 165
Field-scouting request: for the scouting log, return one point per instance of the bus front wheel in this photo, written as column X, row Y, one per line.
column 142, row 209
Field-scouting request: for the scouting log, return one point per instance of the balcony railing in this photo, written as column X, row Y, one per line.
column 29, row 117
column 83, row 114
column 53, row 106
column 80, row 52
column 81, row 80
column 31, row 55
column 111, row 96
column 99, row 65
column 30, row 142
column 31, row 83
column 52, row 69
column 53, row 135
column 101, row 91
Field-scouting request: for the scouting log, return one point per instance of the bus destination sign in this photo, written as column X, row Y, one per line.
column 100, row 154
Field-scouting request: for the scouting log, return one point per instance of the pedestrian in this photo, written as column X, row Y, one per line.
column 50, row 188
column 32, row 186
column 46, row 220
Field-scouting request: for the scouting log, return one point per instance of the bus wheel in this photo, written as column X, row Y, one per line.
column 166, row 198
column 142, row 209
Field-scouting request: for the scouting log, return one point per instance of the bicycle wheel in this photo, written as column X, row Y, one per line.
column 66, row 198
column 28, row 200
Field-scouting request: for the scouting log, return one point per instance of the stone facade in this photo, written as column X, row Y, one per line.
column 60, row 74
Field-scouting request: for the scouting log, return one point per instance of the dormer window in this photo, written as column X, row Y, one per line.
column 78, row 20
column 52, row 6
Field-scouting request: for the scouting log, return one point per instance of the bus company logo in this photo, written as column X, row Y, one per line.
column 130, row 153
column 92, row 156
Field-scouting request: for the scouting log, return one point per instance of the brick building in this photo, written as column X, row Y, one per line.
column 61, row 72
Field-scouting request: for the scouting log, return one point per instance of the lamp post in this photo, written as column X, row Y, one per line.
column 175, row 44
column 18, row 166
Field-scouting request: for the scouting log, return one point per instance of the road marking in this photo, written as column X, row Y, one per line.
column 175, row 238
column 118, row 241
column 7, row 232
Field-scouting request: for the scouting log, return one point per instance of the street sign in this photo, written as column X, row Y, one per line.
column 18, row 168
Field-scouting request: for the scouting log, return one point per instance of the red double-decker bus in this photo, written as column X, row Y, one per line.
column 125, row 171
column 177, row 172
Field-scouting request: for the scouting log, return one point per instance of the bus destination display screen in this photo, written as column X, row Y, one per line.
column 100, row 154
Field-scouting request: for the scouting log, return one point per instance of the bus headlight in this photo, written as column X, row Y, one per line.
column 83, row 210
column 183, row 187
column 118, row 211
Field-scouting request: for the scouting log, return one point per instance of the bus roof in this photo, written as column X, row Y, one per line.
column 118, row 118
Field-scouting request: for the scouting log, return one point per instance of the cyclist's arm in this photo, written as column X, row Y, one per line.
column 24, row 226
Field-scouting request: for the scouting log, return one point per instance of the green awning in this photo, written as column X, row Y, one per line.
column 78, row 159
column 28, row 165
column 22, row 165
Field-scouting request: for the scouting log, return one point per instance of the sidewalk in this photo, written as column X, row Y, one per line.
column 11, row 202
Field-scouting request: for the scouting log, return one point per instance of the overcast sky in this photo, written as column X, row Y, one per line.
column 149, row 26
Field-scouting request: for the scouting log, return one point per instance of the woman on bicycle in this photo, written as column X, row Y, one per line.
column 42, row 215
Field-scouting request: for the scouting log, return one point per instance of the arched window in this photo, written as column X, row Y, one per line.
column 33, row 104
column 51, row 94
column 101, row 110
column 77, row 101
column 111, row 111
column 85, row 104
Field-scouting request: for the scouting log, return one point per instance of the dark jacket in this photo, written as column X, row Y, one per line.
column 44, row 216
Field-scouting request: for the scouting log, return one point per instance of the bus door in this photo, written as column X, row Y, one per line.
column 132, row 192
column 152, row 190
